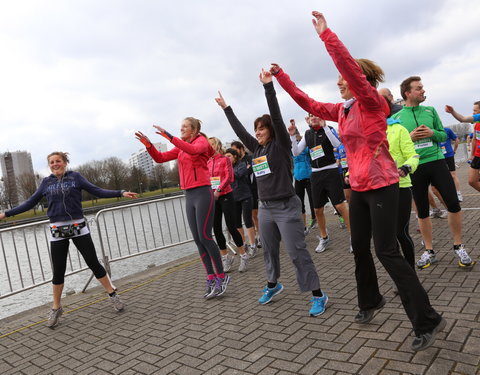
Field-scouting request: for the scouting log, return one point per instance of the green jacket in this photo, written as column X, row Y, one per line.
column 402, row 150
column 411, row 118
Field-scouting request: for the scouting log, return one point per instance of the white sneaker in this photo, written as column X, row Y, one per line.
column 462, row 254
column 460, row 196
column 426, row 260
column 435, row 213
column 443, row 214
column 243, row 263
column 322, row 244
column 227, row 262
column 252, row 251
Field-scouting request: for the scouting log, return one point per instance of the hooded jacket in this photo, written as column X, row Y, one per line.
column 221, row 166
column 64, row 196
column 192, row 160
column 362, row 129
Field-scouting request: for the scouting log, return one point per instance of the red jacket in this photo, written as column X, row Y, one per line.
column 221, row 166
column 363, row 131
column 192, row 160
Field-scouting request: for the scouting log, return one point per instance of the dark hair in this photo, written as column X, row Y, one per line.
column 477, row 103
column 265, row 121
column 405, row 85
column 233, row 152
column 238, row 145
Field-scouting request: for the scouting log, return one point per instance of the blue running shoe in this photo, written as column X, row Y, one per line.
column 269, row 293
column 318, row 305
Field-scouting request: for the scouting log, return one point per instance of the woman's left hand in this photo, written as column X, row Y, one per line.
column 161, row 131
column 265, row 76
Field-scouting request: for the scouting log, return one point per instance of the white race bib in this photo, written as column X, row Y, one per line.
column 215, row 181
column 444, row 149
column 260, row 166
column 343, row 162
column 316, row 152
column 423, row 144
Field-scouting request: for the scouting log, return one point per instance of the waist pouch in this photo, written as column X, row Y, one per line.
column 66, row 231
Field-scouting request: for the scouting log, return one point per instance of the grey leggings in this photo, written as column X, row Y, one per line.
column 199, row 206
column 282, row 219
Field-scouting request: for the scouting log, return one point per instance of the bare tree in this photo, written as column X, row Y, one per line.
column 117, row 173
column 173, row 176
column 93, row 171
column 160, row 176
column 138, row 180
column 27, row 185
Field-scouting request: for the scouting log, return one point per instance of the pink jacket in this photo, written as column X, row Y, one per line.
column 363, row 131
column 221, row 166
column 192, row 160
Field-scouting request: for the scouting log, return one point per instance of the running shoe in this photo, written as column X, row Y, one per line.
column 443, row 214
column 252, row 251
column 464, row 258
column 460, row 196
column 117, row 303
column 427, row 259
column 258, row 243
column 243, row 263
column 435, row 213
column 269, row 293
column 221, row 285
column 227, row 262
column 322, row 244
column 209, row 289
column 365, row 316
column 425, row 340
column 318, row 305
column 53, row 317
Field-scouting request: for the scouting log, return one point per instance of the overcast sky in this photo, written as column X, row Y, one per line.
column 83, row 76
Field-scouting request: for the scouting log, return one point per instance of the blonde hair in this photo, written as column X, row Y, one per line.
column 195, row 123
column 63, row 155
column 372, row 71
column 217, row 145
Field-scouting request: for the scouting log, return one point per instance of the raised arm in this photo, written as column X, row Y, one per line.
column 103, row 193
column 458, row 116
column 29, row 203
column 190, row 148
column 247, row 139
column 347, row 66
column 327, row 111
column 281, row 133
column 159, row 157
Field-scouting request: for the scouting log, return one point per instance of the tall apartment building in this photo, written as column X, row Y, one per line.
column 142, row 159
column 15, row 164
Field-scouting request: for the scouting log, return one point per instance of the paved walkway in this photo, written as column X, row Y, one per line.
column 168, row 328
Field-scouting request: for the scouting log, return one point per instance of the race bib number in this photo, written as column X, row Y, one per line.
column 316, row 152
column 343, row 162
column 477, row 135
column 423, row 144
column 444, row 149
column 215, row 181
column 260, row 166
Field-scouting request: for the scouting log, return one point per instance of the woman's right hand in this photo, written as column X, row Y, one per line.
column 320, row 23
column 291, row 128
column 221, row 101
column 143, row 138
column 274, row 68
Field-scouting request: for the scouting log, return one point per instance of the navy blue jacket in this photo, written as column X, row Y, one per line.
column 64, row 196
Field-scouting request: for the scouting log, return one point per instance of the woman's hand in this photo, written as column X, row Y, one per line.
column 220, row 101
column 143, row 138
column 129, row 194
column 2, row 216
column 449, row 109
column 292, row 127
column 161, row 131
column 274, row 68
column 216, row 195
column 265, row 76
column 320, row 23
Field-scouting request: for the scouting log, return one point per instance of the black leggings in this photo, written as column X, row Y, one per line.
column 59, row 251
column 225, row 205
column 435, row 173
column 403, row 235
column 244, row 208
column 300, row 187
column 199, row 205
column 374, row 213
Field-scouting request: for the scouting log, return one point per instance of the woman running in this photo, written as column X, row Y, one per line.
column 221, row 176
column 63, row 191
column 279, row 213
column 374, row 178
column 193, row 151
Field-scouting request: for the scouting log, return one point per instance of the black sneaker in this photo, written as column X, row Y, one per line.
column 365, row 316
column 425, row 340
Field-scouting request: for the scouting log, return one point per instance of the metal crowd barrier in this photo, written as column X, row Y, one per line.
column 118, row 233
